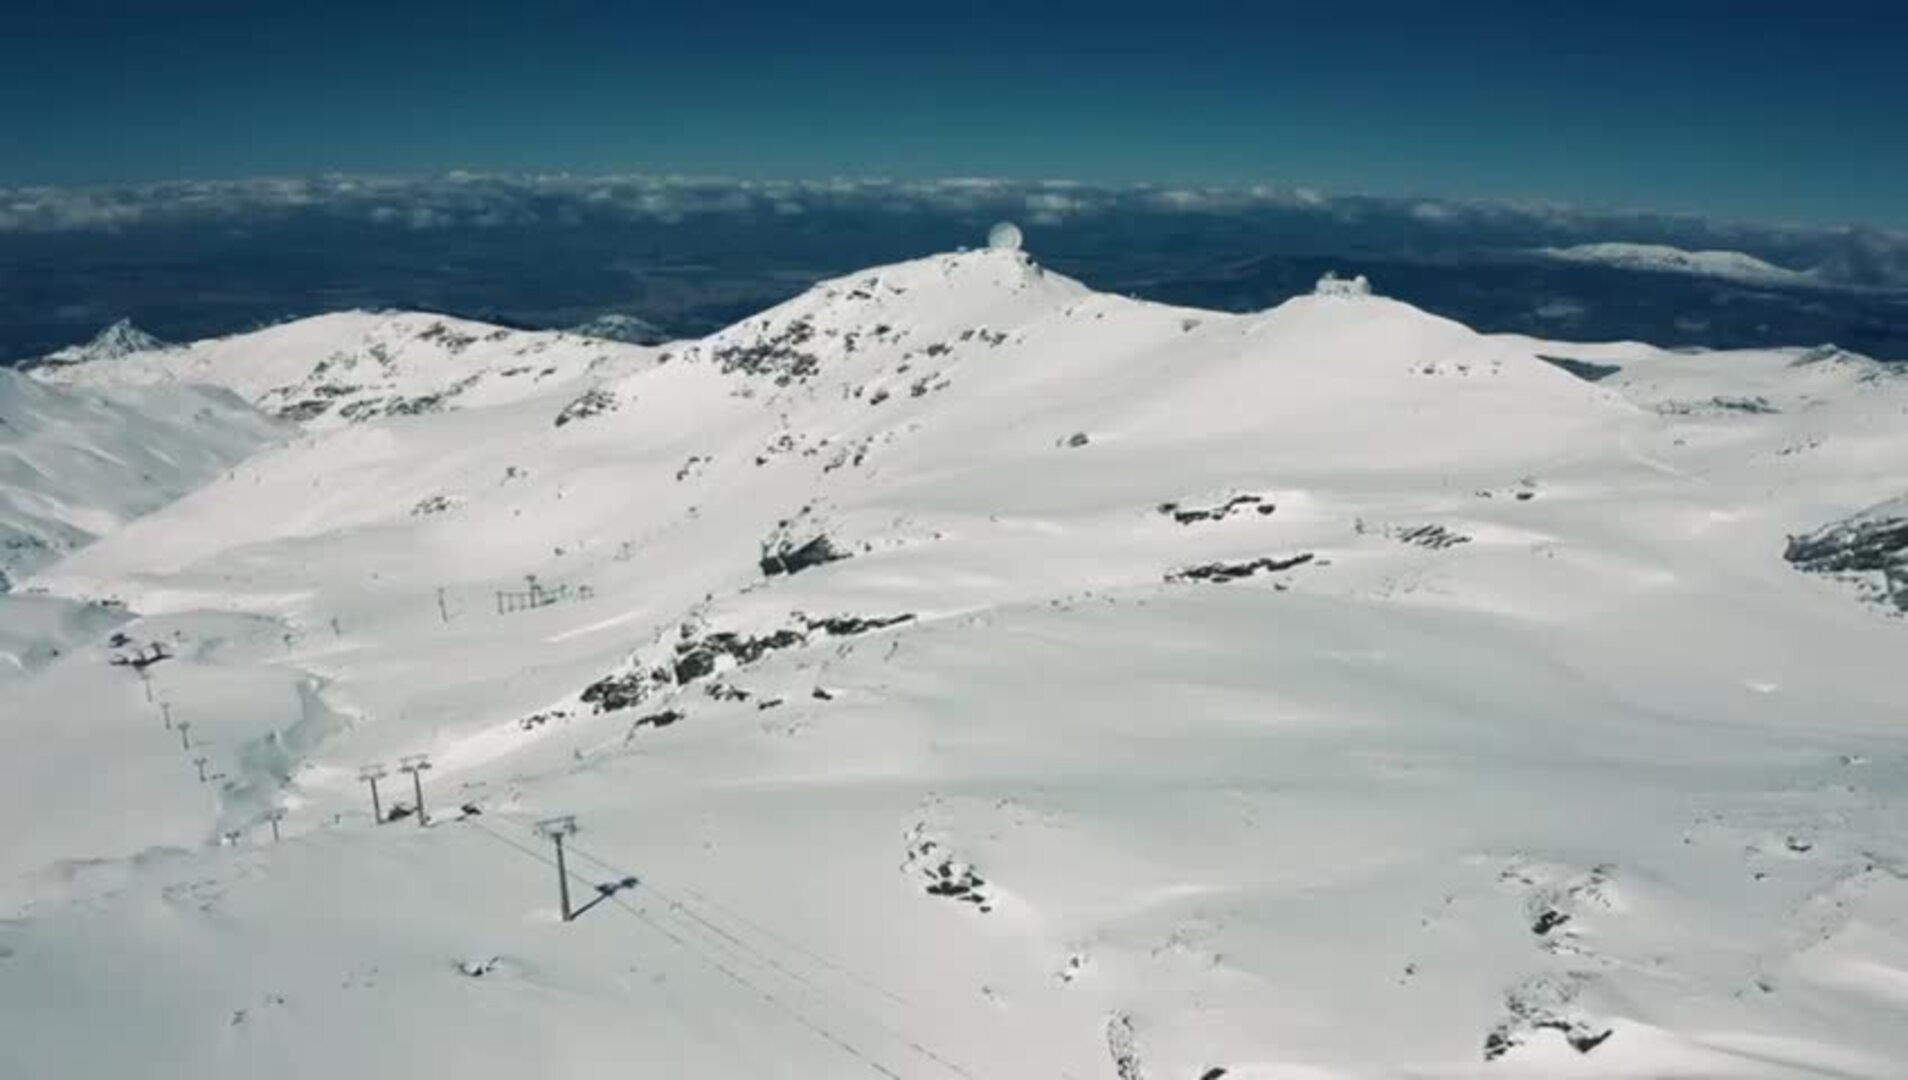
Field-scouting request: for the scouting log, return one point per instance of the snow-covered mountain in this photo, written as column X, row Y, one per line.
column 957, row 672
column 121, row 338
column 78, row 463
column 1659, row 258
column 357, row 365
column 619, row 326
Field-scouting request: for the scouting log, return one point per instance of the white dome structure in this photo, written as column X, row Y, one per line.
column 1005, row 236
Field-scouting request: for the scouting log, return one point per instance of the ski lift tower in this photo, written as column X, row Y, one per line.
column 416, row 765
column 556, row 829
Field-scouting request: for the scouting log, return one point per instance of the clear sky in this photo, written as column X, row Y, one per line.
column 1747, row 108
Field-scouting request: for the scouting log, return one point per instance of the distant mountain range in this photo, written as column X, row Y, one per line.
column 1659, row 258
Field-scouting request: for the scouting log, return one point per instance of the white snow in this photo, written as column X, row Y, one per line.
column 1661, row 258
column 1544, row 741
column 76, row 463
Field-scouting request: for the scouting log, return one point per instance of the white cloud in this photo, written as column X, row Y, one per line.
column 560, row 200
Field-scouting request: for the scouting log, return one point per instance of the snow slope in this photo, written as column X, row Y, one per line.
column 76, row 463
column 1659, row 258
column 958, row 672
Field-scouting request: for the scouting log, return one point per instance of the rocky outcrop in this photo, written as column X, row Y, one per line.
column 1221, row 572
column 1870, row 549
column 1191, row 515
column 798, row 543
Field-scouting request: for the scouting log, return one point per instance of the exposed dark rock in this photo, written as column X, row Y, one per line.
column 1223, row 572
column 777, row 355
column 143, row 657
column 309, row 409
column 695, row 664
column 787, row 558
column 477, row 969
column 697, row 658
column 1435, row 537
column 538, row 719
column 1188, row 515
column 1582, row 369
column 1497, row 1044
column 1870, row 548
column 945, row 875
column 1755, row 406
column 451, row 340
column 613, row 692
column 592, row 402
column 658, row 719
column 1582, row 1041
column 1543, row 1003
column 1121, row 1046
column 1547, row 920
column 799, row 543
column 846, row 625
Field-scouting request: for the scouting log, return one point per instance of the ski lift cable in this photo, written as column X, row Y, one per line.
column 796, row 946
column 795, row 1014
column 690, row 913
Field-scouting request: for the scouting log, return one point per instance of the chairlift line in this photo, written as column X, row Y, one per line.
column 687, row 911
column 566, row 825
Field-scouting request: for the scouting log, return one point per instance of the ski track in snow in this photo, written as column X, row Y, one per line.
column 955, row 673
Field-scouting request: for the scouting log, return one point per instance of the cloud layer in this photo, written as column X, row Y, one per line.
column 1291, row 218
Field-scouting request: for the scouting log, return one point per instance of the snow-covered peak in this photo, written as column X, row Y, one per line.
column 1661, row 258
column 954, row 287
column 122, row 338
column 921, row 306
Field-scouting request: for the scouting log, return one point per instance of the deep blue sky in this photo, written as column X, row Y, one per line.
column 1748, row 108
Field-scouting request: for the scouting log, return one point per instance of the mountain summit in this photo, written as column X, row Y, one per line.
column 121, row 338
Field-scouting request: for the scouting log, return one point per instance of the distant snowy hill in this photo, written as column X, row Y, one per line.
column 78, row 463
column 353, row 366
column 1657, row 258
column 955, row 672
column 120, row 339
column 627, row 329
